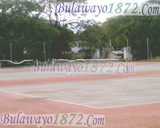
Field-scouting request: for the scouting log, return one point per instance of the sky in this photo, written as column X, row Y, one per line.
column 102, row 17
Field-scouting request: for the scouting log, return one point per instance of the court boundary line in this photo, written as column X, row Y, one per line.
column 131, row 105
column 121, row 100
column 61, row 101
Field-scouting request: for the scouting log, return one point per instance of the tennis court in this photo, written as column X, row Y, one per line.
column 128, row 100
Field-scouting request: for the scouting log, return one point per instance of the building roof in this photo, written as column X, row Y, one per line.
column 117, row 52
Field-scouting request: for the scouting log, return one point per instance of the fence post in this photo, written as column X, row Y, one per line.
column 147, row 50
column 0, row 64
column 37, row 63
column 53, row 62
column 127, row 55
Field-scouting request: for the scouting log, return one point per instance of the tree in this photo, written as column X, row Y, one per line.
column 154, row 1
column 22, row 25
column 26, row 34
column 136, row 29
column 58, row 20
column 19, row 7
column 92, row 37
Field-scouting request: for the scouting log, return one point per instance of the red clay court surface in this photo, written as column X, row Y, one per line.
column 127, row 101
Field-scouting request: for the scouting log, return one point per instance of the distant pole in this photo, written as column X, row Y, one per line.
column 44, row 46
column 127, row 57
column 110, row 49
column 79, row 32
column 78, row 50
column 53, row 62
column 11, row 51
column 147, row 50
column 0, row 64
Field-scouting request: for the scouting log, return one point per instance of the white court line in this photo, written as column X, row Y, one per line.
column 78, row 104
column 49, row 99
column 120, row 100
column 130, row 105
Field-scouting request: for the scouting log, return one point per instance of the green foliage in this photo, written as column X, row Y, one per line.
column 136, row 29
column 92, row 36
column 118, row 29
column 154, row 1
column 28, row 32
column 19, row 7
